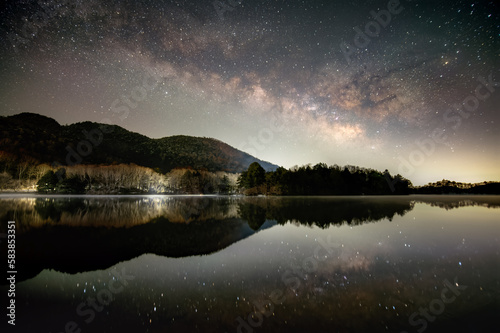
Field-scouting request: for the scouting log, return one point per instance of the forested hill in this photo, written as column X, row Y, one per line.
column 32, row 136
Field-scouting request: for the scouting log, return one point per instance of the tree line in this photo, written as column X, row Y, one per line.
column 28, row 175
column 131, row 179
column 321, row 179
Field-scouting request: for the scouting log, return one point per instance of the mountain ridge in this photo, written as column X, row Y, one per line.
column 31, row 135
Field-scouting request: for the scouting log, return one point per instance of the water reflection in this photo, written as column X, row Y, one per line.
column 81, row 233
column 74, row 234
column 196, row 268
column 456, row 201
column 323, row 211
column 112, row 212
column 129, row 211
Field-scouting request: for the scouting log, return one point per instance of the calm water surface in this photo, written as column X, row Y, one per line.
column 231, row 264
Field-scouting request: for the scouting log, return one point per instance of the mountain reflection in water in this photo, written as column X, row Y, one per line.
column 200, row 262
column 74, row 234
column 79, row 234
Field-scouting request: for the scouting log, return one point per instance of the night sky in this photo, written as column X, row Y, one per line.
column 407, row 86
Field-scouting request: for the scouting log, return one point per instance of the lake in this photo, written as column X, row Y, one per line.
column 254, row 264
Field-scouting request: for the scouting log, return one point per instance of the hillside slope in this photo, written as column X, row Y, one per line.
column 29, row 135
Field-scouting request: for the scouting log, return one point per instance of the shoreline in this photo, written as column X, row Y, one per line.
column 56, row 195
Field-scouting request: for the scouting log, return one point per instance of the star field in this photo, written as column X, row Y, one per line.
column 291, row 82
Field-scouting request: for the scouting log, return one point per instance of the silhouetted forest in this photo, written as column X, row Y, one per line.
column 450, row 187
column 321, row 179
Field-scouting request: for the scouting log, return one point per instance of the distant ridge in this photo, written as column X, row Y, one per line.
column 33, row 136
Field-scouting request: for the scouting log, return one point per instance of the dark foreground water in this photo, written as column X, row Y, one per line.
column 227, row 264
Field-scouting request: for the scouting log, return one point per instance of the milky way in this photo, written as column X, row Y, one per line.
column 409, row 86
